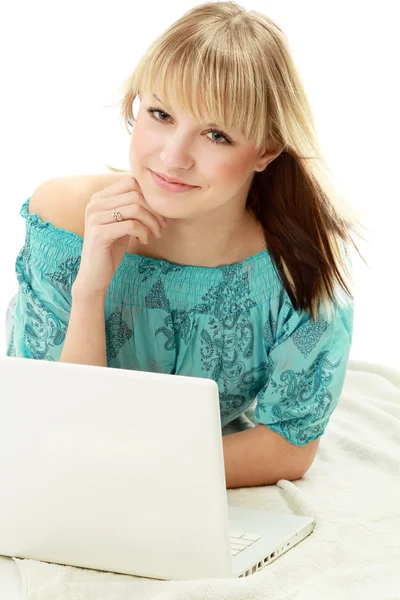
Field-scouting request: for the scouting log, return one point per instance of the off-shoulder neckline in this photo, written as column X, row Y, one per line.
column 56, row 232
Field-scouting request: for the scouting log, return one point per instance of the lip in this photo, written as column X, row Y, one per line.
column 170, row 180
column 170, row 187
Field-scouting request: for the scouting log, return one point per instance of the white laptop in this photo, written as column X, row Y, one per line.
column 122, row 471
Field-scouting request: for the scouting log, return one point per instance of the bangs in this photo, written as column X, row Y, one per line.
column 206, row 83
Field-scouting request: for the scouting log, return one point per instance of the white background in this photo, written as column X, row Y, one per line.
column 62, row 64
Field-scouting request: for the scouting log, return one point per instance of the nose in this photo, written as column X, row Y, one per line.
column 176, row 154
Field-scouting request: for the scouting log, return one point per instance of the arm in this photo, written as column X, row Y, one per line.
column 259, row 456
column 62, row 202
column 85, row 342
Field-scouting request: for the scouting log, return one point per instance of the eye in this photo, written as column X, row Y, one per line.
column 152, row 109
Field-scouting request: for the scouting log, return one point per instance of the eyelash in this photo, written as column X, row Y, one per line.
column 153, row 109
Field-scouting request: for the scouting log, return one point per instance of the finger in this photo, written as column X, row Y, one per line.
column 133, row 212
column 127, row 199
column 114, row 231
column 136, row 212
column 127, row 184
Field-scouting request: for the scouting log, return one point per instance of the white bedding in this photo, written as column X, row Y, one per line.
column 352, row 490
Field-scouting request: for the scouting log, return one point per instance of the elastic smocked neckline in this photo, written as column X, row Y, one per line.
column 54, row 246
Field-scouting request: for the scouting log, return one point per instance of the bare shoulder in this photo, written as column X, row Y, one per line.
column 62, row 201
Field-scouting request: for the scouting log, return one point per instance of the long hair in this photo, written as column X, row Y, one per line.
column 236, row 65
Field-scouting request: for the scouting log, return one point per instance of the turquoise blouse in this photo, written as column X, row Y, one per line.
column 234, row 324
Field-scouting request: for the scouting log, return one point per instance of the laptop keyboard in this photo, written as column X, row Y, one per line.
column 241, row 541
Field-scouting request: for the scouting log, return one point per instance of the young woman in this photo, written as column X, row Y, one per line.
column 236, row 273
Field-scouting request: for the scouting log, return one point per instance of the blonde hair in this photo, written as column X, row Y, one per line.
column 236, row 65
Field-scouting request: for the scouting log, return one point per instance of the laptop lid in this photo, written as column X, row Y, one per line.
column 112, row 469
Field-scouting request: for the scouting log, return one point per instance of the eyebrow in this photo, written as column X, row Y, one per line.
column 161, row 102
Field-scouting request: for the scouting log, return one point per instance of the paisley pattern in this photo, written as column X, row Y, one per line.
column 234, row 324
column 304, row 398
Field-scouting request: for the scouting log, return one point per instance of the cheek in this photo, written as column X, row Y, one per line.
column 134, row 147
column 230, row 172
column 143, row 146
column 137, row 153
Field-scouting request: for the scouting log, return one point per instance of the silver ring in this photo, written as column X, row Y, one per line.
column 117, row 215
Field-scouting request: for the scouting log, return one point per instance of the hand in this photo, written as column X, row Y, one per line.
column 106, row 240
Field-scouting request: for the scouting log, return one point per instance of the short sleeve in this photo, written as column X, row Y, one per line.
column 305, row 371
column 42, row 308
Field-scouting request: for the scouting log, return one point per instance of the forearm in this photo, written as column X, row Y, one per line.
column 259, row 456
column 85, row 342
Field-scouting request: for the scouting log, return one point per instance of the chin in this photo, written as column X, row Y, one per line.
column 170, row 208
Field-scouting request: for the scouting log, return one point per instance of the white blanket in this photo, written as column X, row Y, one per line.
column 353, row 491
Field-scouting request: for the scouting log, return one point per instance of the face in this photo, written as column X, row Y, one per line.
column 220, row 164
